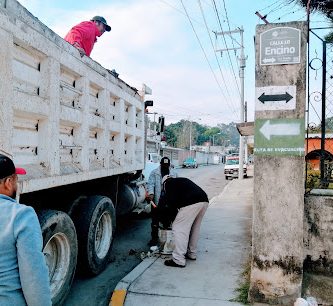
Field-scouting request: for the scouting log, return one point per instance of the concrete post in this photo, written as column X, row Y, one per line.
column 6, row 90
column 121, row 145
column 103, row 141
column 48, row 149
column 82, row 133
column 277, row 254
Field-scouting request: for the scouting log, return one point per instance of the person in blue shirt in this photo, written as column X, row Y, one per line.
column 154, row 187
column 24, row 278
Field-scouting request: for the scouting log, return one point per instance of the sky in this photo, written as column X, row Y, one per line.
column 170, row 45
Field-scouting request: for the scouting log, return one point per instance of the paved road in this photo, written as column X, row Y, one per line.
column 132, row 235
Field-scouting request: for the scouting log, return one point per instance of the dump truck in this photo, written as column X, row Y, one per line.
column 79, row 131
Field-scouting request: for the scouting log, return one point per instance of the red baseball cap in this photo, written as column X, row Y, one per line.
column 8, row 168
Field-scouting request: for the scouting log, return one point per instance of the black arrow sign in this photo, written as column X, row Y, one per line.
column 281, row 97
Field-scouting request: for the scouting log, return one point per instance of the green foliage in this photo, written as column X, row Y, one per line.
column 230, row 132
column 170, row 136
column 244, row 285
column 329, row 37
column 323, row 6
column 328, row 124
column 329, row 121
column 312, row 179
column 178, row 134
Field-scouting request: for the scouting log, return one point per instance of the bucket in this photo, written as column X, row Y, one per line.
column 166, row 241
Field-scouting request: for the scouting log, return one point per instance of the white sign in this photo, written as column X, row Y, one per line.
column 280, row 45
column 280, row 129
column 275, row 98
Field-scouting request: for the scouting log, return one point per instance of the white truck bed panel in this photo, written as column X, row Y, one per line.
column 64, row 118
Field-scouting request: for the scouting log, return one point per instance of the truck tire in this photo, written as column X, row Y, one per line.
column 95, row 223
column 60, row 250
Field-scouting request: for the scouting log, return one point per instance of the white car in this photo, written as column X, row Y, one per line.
column 231, row 167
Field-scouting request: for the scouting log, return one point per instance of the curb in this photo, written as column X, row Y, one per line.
column 221, row 194
column 119, row 293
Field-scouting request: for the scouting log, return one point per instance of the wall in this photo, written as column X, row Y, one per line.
column 318, row 234
column 177, row 156
column 318, row 249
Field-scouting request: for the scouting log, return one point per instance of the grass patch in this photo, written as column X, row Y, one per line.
column 244, row 285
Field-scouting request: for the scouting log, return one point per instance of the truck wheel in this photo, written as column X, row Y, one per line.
column 95, row 223
column 60, row 251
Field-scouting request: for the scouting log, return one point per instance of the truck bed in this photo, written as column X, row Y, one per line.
column 64, row 118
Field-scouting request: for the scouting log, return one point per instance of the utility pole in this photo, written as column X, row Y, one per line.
column 245, row 138
column 242, row 64
column 190, row 138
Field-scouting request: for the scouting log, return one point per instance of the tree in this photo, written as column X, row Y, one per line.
column 178, row 134
column 323, row 6
column 170, row 135
column 319, row 5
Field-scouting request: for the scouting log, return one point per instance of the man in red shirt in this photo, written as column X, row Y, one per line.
column 84, row 35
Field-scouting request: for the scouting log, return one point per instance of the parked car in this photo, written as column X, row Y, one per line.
column 190, row 162
column 232, row 166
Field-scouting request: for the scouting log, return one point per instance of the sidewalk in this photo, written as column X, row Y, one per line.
column 223, row 249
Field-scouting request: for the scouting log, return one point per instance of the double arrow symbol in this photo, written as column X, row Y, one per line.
column 273, row 98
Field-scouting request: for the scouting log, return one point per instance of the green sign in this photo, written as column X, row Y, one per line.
column 279, row 137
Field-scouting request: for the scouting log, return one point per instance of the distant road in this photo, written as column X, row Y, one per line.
column 209, row 178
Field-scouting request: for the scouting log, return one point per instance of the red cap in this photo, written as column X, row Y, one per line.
column 20, row 171
column 8, row 168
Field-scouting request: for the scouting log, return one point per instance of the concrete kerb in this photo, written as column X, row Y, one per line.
column 119, row 293
column 225, row 190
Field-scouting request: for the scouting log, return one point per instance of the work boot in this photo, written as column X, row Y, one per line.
column 153, row 242
column 190, row 258
column 171, row 263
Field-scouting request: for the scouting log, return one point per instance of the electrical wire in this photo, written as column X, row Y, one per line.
column 230, row 61
column 279, row 6
column 286, row 14
column 232, row 41
column 230, row 79
column 181, row 12
column 270, row 5
column 198, row 22
column 303, row 18
column 203, row 50
column 212, row 44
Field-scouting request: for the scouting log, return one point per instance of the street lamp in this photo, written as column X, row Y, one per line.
column 214, row 138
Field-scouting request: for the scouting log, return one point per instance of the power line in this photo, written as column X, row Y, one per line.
column 211, row 41
column 227, row 18
column 278, row 7
column 203, row 50
column 232, row 66
column 293, row 12
column 230, row 79
column 270, row 5
column 233, row 45
column 181, row 12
